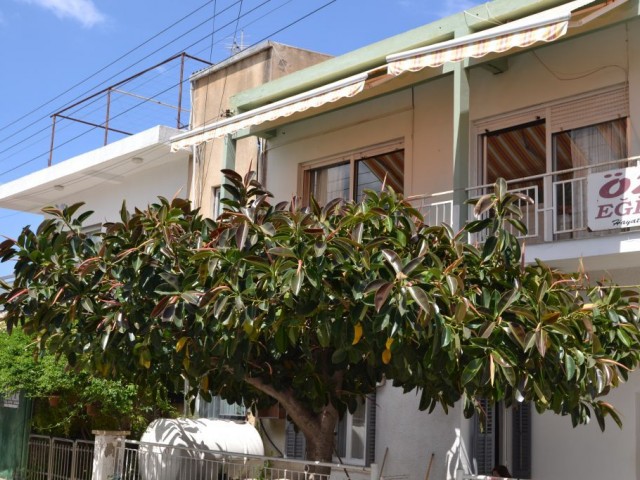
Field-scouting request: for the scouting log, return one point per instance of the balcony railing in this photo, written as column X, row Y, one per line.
column 558, row 211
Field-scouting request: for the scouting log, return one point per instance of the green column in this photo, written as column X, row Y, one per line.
column 228, row 158
column 460, row 137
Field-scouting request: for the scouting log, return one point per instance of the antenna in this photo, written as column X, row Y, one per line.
column 236, row 47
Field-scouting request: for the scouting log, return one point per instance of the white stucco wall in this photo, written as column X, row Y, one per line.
column 139, row 190
column 586, row 453
column 413, row 436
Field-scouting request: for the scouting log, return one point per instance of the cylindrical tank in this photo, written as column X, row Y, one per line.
column 187, row 448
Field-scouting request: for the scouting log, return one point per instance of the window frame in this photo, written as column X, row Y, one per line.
column 559, row 115
column 350, row 157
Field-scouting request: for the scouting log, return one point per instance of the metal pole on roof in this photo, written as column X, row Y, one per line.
column 106, row 122
column 53, row 136
column 182, row 61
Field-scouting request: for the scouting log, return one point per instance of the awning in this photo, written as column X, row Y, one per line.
column 546, row 26
column 347, row 87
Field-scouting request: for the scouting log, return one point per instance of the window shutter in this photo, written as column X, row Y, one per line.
column 370, row 447
column 521, row 440
column 341, row 437
column 483, row 449
column 295, row 446
column 607, row 104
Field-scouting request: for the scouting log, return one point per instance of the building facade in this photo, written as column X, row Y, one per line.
column 545, row 94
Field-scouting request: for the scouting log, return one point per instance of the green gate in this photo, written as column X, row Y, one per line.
column 15, row 414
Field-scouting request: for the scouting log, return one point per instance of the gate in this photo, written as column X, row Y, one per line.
column 51, row 458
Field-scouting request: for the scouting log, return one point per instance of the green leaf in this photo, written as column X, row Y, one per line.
column 393, row 259
column 569, row 366
column 471, row 370
column 420, row 296
column 381, row 295
column 296, row 281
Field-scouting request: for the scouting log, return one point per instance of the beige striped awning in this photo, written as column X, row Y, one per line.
column 332, row 92
column 546, row 26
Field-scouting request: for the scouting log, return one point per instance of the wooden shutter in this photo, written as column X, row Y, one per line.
column 295, row 446
column 521, row 440
column 483, row 449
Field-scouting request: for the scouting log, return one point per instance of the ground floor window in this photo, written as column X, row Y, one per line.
column 503, row 439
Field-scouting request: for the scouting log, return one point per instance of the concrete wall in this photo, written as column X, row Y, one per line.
column 139, row 190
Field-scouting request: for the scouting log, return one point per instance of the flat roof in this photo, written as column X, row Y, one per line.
column 111, row 163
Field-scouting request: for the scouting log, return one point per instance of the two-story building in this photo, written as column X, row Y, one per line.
column 545, row 94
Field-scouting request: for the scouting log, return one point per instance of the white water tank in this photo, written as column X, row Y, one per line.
column 185, row 448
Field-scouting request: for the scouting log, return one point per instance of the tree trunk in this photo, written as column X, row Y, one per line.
column 318, row 428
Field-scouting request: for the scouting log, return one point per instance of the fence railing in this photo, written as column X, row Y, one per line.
column 52, row 458
column 149, row 461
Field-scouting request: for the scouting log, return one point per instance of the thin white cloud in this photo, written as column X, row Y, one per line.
column 83, row 11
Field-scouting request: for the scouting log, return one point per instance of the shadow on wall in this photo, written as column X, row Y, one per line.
column 174, row 449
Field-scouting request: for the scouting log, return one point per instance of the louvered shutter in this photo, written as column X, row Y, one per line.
column 295, row 445
column 483, row 449
column 370, row 447
column 521, row 440
column 341, row 438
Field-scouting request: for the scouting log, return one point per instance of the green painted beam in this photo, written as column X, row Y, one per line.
column 461, row 129
column 228, row 159
column 374, row 55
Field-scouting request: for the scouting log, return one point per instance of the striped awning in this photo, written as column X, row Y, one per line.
column 317, row 97
column 546, row 26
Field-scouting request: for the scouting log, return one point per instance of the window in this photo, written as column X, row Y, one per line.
column 348, row 176
column 596, row 146
column 355, row 442
column 219, row 408
column 355, row 436
column 216, row 206
column 504, row 439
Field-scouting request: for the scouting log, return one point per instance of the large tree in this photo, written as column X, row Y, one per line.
column 311, row 306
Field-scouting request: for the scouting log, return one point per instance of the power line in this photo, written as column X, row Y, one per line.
column 298, row 20
column 102, row 69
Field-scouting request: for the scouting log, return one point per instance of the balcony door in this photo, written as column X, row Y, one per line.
column 518, row 152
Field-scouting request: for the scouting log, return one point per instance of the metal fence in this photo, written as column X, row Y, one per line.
column 148, row 461
column 51, row 458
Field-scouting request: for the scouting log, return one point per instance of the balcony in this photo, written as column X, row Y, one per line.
column 562, row 213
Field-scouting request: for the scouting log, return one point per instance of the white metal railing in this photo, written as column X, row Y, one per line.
column 151, row 461
column 558, row 211
column 532, row 213
column 52, row 458
column 436, row 209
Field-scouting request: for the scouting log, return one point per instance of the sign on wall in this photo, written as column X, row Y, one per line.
column 12, row 401
column 613, row 199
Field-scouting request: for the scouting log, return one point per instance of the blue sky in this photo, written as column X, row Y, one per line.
column 50, row 45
